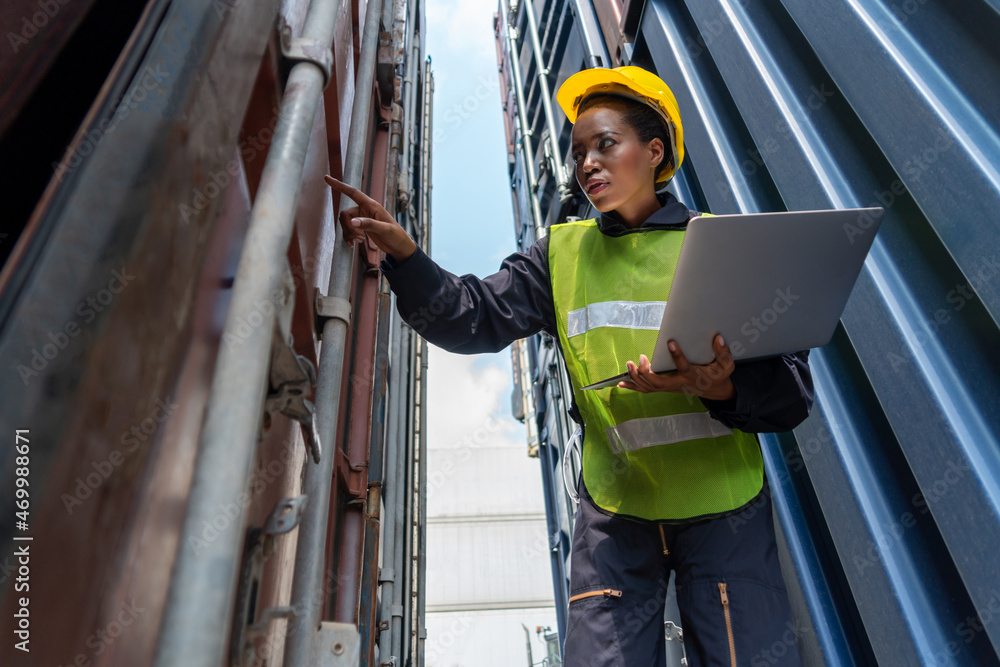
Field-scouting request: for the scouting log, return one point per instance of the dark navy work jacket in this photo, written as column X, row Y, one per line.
column 468, row 315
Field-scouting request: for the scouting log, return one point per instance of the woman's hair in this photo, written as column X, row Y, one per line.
column 648, row 124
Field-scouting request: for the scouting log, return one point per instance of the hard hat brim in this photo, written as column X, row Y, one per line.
column 643, row 86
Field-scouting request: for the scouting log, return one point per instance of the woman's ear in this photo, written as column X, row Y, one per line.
column 657, row 153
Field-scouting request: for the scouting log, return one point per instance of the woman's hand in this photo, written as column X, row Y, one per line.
column 370, row 219
column 709, row 381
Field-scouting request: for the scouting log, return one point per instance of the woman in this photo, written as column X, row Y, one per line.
column 669, row 481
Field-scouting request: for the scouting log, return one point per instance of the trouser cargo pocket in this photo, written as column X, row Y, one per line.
column 591, row 629
column 606, row 592
column 736, row 622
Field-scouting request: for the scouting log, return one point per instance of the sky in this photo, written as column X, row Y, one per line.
column 472, row 230
column 472, row 223
column 472, row 214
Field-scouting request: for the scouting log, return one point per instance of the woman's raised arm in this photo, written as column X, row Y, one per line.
column 463, row 314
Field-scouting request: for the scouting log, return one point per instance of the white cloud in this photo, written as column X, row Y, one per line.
column 462, row 26
column 469, row 402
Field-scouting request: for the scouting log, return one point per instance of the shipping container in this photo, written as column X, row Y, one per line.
column 887, row 498
column 213, row 417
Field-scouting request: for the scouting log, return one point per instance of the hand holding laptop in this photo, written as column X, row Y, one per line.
column 709, row 381
column 771, row 283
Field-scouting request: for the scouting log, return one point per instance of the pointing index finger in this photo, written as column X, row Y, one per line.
column 363, row 201
column 357, row 195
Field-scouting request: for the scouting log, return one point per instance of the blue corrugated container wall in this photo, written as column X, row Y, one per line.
column 887, row 498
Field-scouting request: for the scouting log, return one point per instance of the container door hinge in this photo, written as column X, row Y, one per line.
column 353, row 478
column 260, row 543
column 291, row 377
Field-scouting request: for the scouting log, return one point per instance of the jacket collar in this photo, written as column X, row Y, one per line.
column 672, row 213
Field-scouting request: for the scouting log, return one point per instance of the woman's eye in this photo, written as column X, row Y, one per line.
column 601, row 145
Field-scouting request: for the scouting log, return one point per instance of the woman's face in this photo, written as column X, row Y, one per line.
column 612, row 166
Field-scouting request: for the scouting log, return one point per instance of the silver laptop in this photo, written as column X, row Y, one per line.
column 770, row 283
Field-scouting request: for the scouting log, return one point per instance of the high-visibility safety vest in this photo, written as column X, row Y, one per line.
column 656, row 456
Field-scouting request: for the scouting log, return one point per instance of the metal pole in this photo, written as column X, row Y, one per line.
column 395, row 483
column 584, row 15
column 387, row 574
column 308, row 587
column 425, row 222
column 408, row 600
column 413, row 510
column 199, row 605
column 421, row 516
column 379, row 433
column 367, row 620
column 524, row 130
column 558, row 169
column 413, row 49
column 399, row 507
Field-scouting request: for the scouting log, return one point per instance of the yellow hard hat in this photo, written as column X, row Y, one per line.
column 628, row 81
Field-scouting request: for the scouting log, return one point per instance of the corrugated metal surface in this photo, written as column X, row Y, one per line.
column 113, row 309
column 889, row 494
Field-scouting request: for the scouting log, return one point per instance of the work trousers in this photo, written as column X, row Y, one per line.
column 730, row 592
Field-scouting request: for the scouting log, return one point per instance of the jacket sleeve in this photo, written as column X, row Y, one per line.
column 469, row 315
column 772, row 395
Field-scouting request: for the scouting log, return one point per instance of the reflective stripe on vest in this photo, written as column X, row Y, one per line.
column 625, row 314
column 658, row 456
column 638, row 433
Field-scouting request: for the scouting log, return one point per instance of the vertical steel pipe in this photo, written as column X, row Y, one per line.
column 399, row 507
column 555, row 158
column 347, row 530
column 413, row 519
column 584, row 11
column 390, row 491
column 199, row 606
column 367, row 619
column 308, row 587
column 411, row 491
column 425, row 221
column 409, row 98
column 393, row 577
column 421, row 521
column 524, row 130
